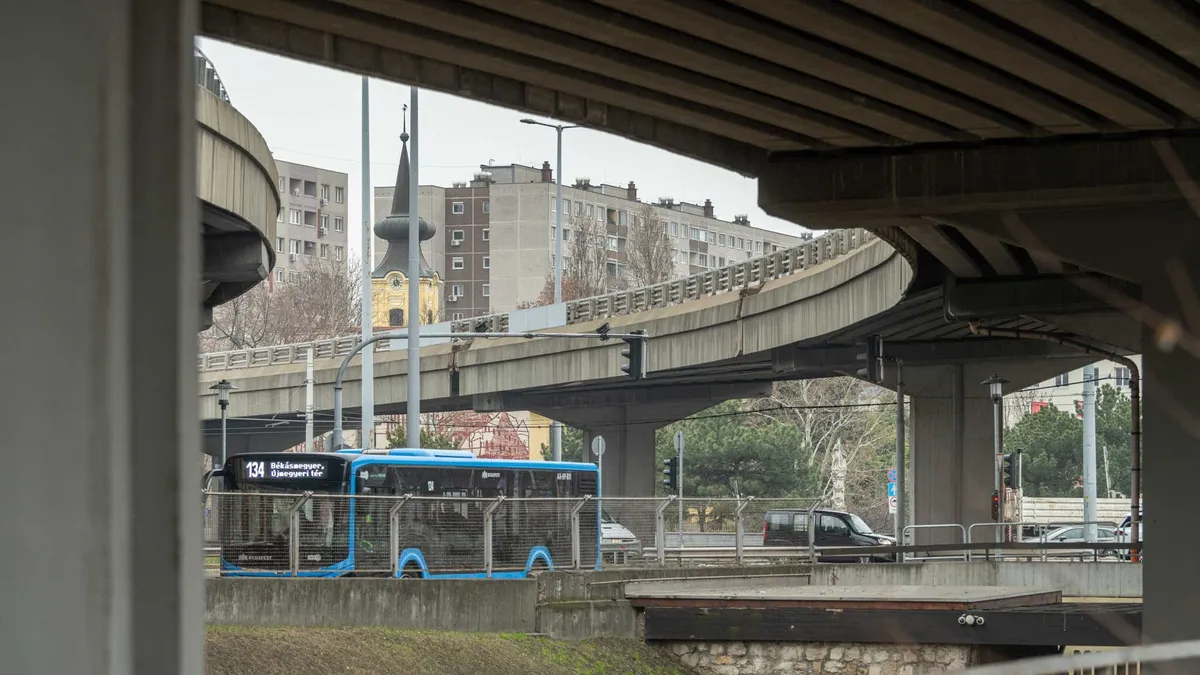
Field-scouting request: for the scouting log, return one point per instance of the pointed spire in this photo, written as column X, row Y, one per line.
column 394, row 226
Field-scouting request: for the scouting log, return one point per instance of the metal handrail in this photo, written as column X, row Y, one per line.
column 906, row 535
column 735, row 277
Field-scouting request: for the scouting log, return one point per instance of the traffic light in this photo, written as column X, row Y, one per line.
column 996, row 506
column 671, row 474
column 635, row 354
column 1011, row 470
column 872, row 355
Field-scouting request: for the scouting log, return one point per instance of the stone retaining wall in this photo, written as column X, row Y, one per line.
column 762, row 658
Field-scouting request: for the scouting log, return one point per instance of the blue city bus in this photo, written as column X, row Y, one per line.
column 438, row 538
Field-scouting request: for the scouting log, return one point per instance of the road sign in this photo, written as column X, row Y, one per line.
column 892, row 504
column 598, row 446
column 891, row 490
column 892, row 475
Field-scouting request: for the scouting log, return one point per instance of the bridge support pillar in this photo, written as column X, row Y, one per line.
column 628, row 463
column 1170, row 467
column 952, row 450
column 101, row 524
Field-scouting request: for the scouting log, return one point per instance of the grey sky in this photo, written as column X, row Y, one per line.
column 311, row 115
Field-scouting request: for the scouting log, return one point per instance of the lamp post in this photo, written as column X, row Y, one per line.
column 995, row 385
column 223, row 388
column 556, row 426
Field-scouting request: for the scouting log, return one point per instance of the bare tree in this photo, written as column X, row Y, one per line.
column 649, row 256
column 323, row 303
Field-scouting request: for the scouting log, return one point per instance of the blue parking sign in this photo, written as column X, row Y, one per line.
column 891, row 489
column 892, row 475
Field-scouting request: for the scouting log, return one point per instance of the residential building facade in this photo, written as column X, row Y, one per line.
column 312, row 220
column 1065, row 391
column 495, row 248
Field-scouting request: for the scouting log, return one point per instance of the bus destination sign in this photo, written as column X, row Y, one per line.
column 285, row 469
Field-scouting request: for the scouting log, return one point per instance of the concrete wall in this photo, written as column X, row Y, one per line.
column 1075, row 579
column 499, row 605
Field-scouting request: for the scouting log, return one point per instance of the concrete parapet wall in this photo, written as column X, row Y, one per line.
column 610, row 584
column 1074, row 579
column 498, row 605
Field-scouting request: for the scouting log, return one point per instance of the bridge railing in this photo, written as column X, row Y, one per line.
column 736, row 277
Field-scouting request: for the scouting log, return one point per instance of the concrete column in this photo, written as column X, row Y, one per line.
column 101, row 518
column 629, row 467
column 951, row 455
column 1171, row 465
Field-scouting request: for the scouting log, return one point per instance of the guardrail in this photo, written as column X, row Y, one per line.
column 735, row 277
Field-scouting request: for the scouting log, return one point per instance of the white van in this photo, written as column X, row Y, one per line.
column 617, row 543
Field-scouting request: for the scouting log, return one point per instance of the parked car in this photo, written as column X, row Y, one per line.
column 789, row 527
column 1075, row 534
column 1122, row 534
column 617, row 543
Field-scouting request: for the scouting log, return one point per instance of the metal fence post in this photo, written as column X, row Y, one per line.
column 741, row 530
column 487, row 534
column 294, row 533
column 660, row 531
column 812, row 534
column 576, row 549
column 394, row 532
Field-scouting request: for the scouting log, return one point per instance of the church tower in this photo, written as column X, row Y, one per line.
column 389, row 281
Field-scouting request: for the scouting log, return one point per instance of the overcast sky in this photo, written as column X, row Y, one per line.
column 312, row 115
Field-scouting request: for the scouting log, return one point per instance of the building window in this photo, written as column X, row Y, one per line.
column 279, row 244
column 293, row 277
column 758, row 247
column 674, row 229
column 339, row 194
column 279, row 274
column 720, row 240
column 486, row 290
column 325, row 222
column 610, row 269
column 338, row 224
column 721, row 263
column 741, row 244
column 309, row 248
column 282, row 183
column 294, row 216
column 1062, row 380
column 553, row 205
column 612, row 243
column 337, row 253
column 456, row 236
column 591, row 211
column 578, row 208
column 456, row 290
column 694, row 233
column 396, row 317
column 456, row 263
column 310, row 188
column 566, row 234
column 486, row 206
column 294, row 246
column 567, row 206
column 457, row 208
column 710, row 236
column 704, row 260
column 325, row 191
column 310, row 218
column 457, row 316
column 487, row 262
column 487, row 234
column 1121, row 376
column 324, row 250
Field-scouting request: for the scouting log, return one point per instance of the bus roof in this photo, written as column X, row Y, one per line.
column 429, row 457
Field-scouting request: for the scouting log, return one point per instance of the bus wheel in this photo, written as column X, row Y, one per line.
column 410, row 571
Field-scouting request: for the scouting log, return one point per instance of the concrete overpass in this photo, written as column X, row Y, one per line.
column 727, row 333
column 992, row 140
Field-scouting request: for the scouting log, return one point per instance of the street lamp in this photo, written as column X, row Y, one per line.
column 555, row 426
column 995, row 385
column 223, row 388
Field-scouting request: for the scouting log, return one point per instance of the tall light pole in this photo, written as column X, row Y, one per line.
column 1089, row 453
column 368, row 362
column 995, row 385
column 413, row 413
column 555, row 425
column 223, row 388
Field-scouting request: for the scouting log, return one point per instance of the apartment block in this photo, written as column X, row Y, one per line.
column 495, row 243
column 312, row 220
column 1065, row 391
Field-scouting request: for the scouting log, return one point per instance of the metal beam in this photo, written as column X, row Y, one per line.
column 1019, row 296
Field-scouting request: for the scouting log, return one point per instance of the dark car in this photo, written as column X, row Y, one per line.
column 789, row 527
